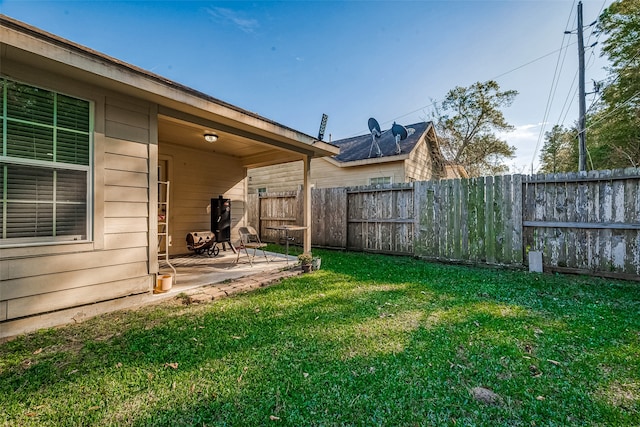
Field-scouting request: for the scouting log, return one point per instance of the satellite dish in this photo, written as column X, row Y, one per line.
column 400, row 133
column 374, row 127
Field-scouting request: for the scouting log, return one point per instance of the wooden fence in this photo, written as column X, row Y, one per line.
column 380, row 219
column 275, row 209
column 473, row 220
column 586, row 223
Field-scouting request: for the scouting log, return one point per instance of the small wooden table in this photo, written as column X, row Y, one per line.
column 287, row 229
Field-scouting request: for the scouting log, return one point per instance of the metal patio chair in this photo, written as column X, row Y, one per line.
column 249, row 239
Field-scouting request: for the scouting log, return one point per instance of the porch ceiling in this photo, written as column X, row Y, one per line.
column 252, row 153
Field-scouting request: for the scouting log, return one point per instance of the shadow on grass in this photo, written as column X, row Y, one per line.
column 369, row 340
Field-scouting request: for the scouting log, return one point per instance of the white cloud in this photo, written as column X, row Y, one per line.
column 525, row 139
column 248, row 25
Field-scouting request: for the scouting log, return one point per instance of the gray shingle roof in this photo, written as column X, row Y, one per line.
column 359, row 147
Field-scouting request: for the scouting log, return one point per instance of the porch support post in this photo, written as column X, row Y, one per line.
column 306, row 188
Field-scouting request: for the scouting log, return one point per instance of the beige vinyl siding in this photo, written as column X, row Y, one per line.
column 277, row 178
column 419, row 164
column 325, row 175
column 39, row 279
column 85, row 295
column 127, row 120
column 196, row 177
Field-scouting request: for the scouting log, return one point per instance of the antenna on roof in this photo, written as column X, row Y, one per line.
column 374, row 128
column 323, row 126
column 400, row 133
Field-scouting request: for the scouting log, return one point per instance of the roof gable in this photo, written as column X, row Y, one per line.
column 360, row 147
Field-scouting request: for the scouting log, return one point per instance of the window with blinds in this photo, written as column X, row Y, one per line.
column 45, row 165
column 380, row 180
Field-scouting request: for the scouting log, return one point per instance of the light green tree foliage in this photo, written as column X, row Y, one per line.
column 467, row 121
column 613, row 135
column 559, row 153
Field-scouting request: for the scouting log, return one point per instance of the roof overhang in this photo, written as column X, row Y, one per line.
column 369, row 161
column 274, row 142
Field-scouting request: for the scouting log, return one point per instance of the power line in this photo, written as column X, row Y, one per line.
column 494, row 78
column 554, row 85
column 534, row 60
column 614, row 110
column 599, row 94
column 601, row 119
column 571, row 94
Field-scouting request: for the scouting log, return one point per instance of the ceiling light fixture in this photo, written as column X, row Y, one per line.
column 210, row 137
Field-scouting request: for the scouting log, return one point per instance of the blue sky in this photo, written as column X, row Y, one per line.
column 292, row 61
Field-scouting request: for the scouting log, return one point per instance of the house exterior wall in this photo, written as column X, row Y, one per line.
column 324, row 174
column 46, row 277
column 277, row 178
column 41, row 278
column 419, row 166
column 197, row 176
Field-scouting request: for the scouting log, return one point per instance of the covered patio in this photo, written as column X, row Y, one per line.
column 197, row 271
column 199, row 172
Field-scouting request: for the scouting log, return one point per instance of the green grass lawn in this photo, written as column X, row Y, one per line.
column 368, row 340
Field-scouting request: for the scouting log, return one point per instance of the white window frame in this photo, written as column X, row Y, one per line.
column 8, row 161
column 375, row 180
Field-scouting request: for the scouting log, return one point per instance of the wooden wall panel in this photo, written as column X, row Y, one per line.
column 126, row 209
column 125, row 225
column 126, row 194
column 41, row 303
column 126, row 163
column 126, row 178
column 127, row 120
column 23, row 267
column 126, row 240
column 3, row 310
column 51, row 283
column 324, row 174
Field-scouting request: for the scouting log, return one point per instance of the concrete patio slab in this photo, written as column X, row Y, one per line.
column 199, row 277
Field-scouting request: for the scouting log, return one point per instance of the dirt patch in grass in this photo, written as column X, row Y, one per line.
column 622, row 394
column 486, row 396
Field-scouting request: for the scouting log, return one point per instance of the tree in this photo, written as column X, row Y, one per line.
column 559, row 153
column 615, row 127
column 467, row 120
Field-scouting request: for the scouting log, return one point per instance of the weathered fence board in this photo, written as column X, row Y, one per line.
column 277, row 209
column 478, row 220
column 252, row 208
column 587, row 223
column 380, row 219
column 329, row 228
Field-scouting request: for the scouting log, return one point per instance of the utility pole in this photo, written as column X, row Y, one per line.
column 582, row 143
